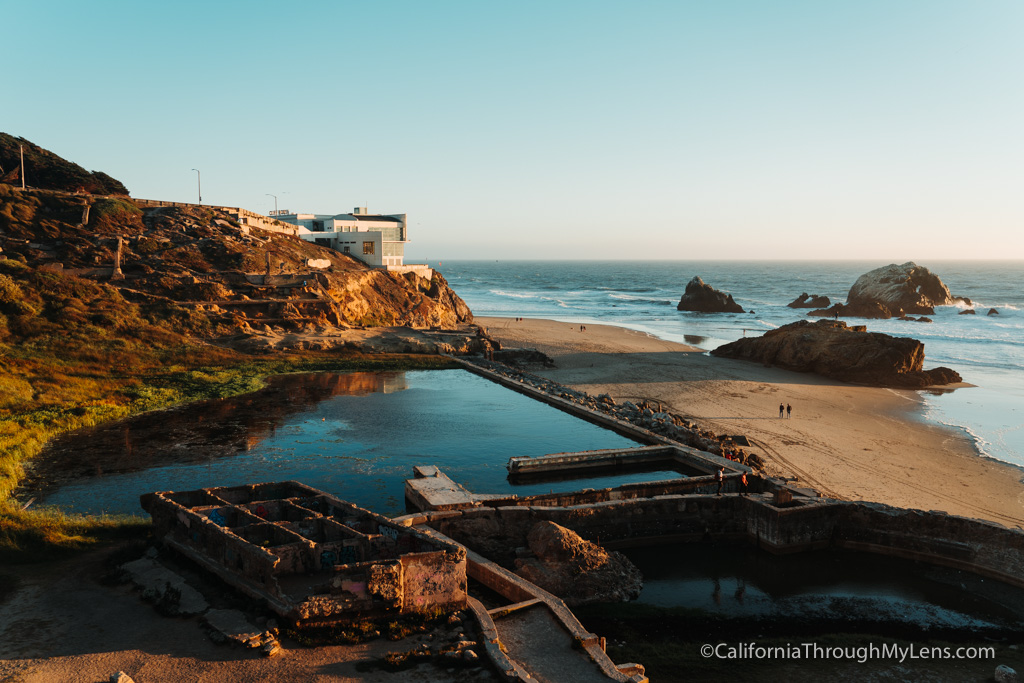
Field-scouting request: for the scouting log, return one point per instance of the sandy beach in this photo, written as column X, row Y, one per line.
column 849, row 442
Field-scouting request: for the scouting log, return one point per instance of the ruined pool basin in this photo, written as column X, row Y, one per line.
column 315, row 559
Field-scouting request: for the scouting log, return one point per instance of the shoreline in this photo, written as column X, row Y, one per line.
column 847, row 441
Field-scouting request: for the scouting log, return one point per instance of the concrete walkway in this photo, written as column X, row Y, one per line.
column 541, row 645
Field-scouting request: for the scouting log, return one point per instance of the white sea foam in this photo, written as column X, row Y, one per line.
column 514, row 295
column 641, row 299
column 980, row 443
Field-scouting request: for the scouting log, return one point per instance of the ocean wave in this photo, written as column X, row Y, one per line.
column 981, row 444
column 979, row 305
column 515, row 295
column 641, row 299
column 637, row 290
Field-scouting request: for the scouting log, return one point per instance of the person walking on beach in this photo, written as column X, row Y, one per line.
column 789, row 411
column 743, row 483
column 720, row 479
column 782, row 409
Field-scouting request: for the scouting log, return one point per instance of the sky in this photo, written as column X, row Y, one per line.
column 890, row 130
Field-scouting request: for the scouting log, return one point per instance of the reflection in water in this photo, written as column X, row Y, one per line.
column 343, row 433
column 739, row 582
column 201, row 431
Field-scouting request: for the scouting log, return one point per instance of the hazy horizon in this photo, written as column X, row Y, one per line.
column 561, row 130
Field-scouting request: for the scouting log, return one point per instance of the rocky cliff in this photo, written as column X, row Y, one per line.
column 851, row 354
column 200, row 259
column 704, row 298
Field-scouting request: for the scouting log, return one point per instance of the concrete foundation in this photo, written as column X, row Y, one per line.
column 688, row 510
column 316, row 560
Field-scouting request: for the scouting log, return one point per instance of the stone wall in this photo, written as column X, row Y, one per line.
column 243, row 216
column 977, row 546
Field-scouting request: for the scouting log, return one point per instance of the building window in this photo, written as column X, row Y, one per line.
column 348, row 250
column 367, row 248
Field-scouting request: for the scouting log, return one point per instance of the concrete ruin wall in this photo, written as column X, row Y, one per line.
column 315, row 559
column 243, row 216
column 973, row 545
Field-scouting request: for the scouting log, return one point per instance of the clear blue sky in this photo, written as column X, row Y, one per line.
column 888, row 129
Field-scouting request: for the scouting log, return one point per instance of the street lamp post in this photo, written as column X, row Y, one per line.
column 199, row 184
column 275, row 201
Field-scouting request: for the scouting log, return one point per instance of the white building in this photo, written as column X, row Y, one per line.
column 375, row 239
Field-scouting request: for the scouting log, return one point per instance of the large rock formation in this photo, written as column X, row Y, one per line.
column 894, row 291
column 806, row 300
column 704, row 298
column 577, row 570
column 851, row 354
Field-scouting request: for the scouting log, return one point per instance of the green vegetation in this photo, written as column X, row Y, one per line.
column 111, row 216
column 46, row 533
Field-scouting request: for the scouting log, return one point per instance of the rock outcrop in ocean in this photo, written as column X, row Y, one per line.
column 851, row 354
column 806, row 300
column 704, row 298
column 577, row 570
column 894, row 291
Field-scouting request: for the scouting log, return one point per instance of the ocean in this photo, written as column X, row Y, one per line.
column 987, row 350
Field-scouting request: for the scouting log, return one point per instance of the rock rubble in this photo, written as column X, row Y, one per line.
column 576, row 570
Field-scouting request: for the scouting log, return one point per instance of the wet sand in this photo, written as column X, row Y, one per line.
column 849, row 442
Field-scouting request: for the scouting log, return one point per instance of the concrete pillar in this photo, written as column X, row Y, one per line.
column 117, row 274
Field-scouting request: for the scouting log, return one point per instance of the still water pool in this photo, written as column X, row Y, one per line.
column 356, row 435
column 729, row 582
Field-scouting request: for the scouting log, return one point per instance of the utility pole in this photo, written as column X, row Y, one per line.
column 21, row 150
column 275, row 201
column 199, row 184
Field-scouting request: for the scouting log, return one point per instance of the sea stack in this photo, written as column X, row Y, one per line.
column 704, row 298
column 851, row 354
column 894, row 291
